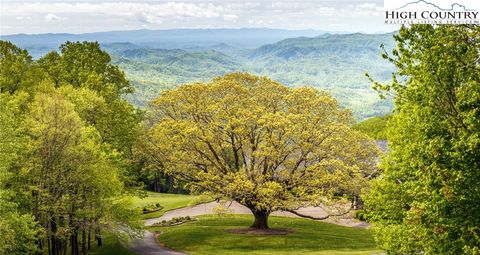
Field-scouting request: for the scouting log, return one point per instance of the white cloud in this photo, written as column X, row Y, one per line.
column 23, row 18
column 52, row 17
column 79, row 16
column 367, row 6
column 326, row 11
column 148, row 18
column 127, row 9
column 252, row 4
column 230, row 17
column 370, row 6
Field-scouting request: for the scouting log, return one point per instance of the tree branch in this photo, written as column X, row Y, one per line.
column 324, row 217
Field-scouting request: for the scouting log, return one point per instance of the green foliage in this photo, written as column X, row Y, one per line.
column 360, row 215
column 375, row 127
column 11, row 142
column 66, row 136
column 152, row 208
column 208, row 235
column 332, row 62
column 167, row 201
column 259, row 143
column 87, row 68
column 335, row 63
column 112, row 245
column 86, row 65
column 71, row 175
column 174, row 221
column 17, row 69
column 426, row 201
column 17, row 229
column 326, row 61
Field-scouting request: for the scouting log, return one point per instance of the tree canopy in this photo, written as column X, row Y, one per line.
column 374, row 127
column 67, row 134
column 427, row 198
column 255, row 141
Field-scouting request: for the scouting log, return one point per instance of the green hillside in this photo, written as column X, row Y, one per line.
column 151, row 70
column 333, row 62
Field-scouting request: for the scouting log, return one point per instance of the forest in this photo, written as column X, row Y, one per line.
column 76, row 152
column 67, row 138
column 157, row 60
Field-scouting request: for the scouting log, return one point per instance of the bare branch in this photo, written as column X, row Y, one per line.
column 324, row 217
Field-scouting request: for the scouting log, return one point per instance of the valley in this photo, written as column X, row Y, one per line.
column 154, row 60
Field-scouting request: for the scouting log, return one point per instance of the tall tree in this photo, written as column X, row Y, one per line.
column 17, row 227
column 17, row 69
column 66, row 138
column 71, row 178
column 259, row 143
column 427, row 200
column 84, row 65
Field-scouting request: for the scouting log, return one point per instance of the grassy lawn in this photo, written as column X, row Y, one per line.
column 168, row 201
column 208, row 236
column 111, row 245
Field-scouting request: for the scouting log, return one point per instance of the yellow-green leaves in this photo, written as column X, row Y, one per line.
column 258, row 142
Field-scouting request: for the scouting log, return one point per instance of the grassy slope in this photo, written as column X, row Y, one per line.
column 208, row 236
column 336, row 63
column 168, row 201
column 112, row 244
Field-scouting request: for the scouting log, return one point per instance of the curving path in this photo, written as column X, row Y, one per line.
column 237, row 208
column 149, row 245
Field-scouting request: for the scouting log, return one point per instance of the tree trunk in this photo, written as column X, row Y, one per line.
column 74, row 242
column 99, row 240
column 169, row 184
column 84, row 242
column 261, row 219
column 49, row 246
column 357, row 203
column 98, row 235
column 53, row 228
column 89, row 237
column 61, row 242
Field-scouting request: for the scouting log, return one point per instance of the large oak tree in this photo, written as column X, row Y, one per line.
column 255, row 141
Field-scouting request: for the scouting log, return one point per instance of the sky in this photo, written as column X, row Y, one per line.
column 81, row 16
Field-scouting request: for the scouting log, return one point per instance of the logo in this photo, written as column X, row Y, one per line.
column 431, row 12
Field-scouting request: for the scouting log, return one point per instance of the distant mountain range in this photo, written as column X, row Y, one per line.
column 167, row 39
column 155, row 60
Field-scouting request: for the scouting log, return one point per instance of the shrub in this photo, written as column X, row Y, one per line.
column 174, row 221
column 153, row 207
column 360, row 215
